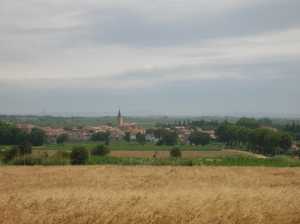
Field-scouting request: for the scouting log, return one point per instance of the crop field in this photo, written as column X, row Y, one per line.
column 165, row 154
column 185, row 154
column 120, row 146
column 143, row 194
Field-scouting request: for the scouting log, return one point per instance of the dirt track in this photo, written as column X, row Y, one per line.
column 111, row 194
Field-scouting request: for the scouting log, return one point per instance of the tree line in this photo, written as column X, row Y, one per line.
column 293, row 128
column 266, row 141
column 11, row 135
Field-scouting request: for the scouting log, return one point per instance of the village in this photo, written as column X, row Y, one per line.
column 116, row 133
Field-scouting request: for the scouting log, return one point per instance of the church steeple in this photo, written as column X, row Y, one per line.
column 120, row 119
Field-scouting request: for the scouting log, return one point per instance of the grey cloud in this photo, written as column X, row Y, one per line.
column 176, row 57
column 129, row 27
column 262, row 69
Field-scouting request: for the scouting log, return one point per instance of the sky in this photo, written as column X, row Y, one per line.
column 160, row 57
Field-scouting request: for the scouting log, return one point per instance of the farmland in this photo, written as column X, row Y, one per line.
column 124, row 146
column 118, row 194
column 135, row 154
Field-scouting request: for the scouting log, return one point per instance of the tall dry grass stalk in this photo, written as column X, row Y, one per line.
column 118, row 194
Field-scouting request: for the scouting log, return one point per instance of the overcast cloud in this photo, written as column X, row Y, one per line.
column 176, row 57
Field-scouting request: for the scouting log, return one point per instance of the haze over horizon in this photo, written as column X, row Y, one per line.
column 179, row 57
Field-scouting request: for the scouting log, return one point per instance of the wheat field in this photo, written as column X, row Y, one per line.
column 141, row 194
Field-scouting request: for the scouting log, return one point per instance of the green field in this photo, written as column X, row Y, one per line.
column 280, row 161
column 124, row 153
column 125, row 146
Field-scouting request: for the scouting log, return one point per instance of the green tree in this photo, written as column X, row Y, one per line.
column 248, row 122
column 199, row 138
column 37, row 137
column 175, row 152
column 11, row 135
column 265, row 141
column 285, row 141
column 100, row 150
column 100, row 136
column 25, row 148
column 228, row 133
column 127, row 137
column 79, row 156
column 141, row 138
column 61, row 139
column 168, row 137
column 265, row 122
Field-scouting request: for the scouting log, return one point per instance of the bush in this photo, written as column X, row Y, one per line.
column 175, row 152
column 100, row 150
column 79, row 156
column 10, row 154
column 25, row 148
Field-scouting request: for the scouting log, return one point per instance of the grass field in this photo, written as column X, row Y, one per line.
column 185, row 154
column 114, row 194
column 120, row 146
column 123, row 153
column 164, row 154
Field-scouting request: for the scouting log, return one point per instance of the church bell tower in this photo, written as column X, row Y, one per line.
column 120, row 119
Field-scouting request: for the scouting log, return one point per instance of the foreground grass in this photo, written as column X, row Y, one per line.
column 149, row 195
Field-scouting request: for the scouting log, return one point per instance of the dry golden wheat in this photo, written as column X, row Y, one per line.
column 124, row 194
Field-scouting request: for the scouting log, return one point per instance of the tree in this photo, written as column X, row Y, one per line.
column 265, row 141
column 107, row 140
column 285, row 141
column 199, row 138
column 141, row 138
column 61, row 139
column 227, row 133
column 21, row 136
column 25, row 148
column 167, row 137
column 248, row 122
column 11, row 135
column 101, row 136
column 100, row 150
column 79, row 155
column 37, row 137
column 175, row 152
column 127, row 137
column 260, row 140
column 265, row 122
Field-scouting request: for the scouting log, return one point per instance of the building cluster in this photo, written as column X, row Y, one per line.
column 85, row 133
column 185, row 132
column 116, row 133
